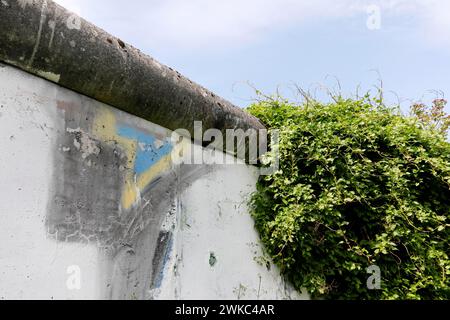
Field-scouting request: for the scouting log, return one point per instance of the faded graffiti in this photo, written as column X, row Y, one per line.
column 115, row 186
column 147, row 156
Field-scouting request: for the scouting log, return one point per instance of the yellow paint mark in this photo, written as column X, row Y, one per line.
column 105, row 129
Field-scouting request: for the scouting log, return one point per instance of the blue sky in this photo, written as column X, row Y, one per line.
column 227, row 44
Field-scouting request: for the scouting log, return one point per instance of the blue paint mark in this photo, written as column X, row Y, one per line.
column 147, row 153
column 167, row 246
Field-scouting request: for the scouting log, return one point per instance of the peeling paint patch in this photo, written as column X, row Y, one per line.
column 84, row 143
column 6, row 4
column 41, row 22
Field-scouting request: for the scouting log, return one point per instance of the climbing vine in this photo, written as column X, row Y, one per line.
column 359, row 185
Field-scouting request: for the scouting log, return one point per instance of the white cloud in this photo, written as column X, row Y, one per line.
column 71, row 5
column 436, row 22
column 200, row 24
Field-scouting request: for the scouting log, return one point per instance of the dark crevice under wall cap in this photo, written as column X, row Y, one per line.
column 49, row 41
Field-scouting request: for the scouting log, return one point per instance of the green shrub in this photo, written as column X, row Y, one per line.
column 359, row 184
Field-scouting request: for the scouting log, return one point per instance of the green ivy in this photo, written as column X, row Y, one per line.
column 359, row 184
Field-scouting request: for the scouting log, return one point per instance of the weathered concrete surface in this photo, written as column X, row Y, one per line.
column 43, row 38
column 92, row 207
column 219, row 253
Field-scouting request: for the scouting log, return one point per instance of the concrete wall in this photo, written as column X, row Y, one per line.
column 93, row 207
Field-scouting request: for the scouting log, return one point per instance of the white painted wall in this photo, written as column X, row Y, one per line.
column 210, row 216
column 214, row 220
column 31, row 265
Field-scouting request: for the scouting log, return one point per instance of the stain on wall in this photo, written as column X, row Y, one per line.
column 114, row 185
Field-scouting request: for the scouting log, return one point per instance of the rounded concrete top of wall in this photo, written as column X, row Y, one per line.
column 47, row 40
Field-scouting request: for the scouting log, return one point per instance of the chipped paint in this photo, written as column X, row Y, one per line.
column 149, row 90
